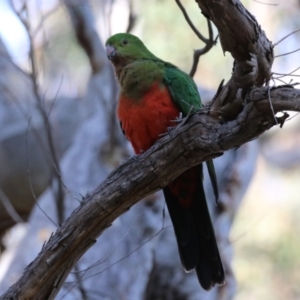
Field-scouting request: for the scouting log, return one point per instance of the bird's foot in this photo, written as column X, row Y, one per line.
column 178, row 119
column 185, row 119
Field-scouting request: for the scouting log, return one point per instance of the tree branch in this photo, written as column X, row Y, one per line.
column 241, row 35
column 209, row 42
column 197, row 139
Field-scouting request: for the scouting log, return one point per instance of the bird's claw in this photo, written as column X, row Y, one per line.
column 185, row 119
column 178, row 119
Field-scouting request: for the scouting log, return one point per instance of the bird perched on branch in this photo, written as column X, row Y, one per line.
column 154, row 93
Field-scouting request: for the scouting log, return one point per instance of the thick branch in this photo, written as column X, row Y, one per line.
column 241, row 35
column 194, row 141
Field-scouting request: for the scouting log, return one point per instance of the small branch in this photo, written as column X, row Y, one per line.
column 271, row 105
column 187, row 18
column 34, row 78
column 30, row 181
column 197, row 53
column 209, row 42
column 282, row 39
column 288, row 74
column 9, row 208
column 265, row 3
column 43, row 19
column 82, row 290
column 287, row 53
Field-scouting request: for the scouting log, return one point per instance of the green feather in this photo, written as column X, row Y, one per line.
column 185, row 94
column 183, row 89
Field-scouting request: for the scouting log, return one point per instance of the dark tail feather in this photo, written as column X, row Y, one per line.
column 185, row 232
column 195, row 237
column 209, row 268
column 213, row 178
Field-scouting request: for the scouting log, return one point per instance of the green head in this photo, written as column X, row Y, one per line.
column 124, row 48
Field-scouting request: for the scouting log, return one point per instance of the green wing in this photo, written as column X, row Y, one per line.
column 183, row 89
column 185, row 94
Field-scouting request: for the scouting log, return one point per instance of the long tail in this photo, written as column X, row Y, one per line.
column 194, row 232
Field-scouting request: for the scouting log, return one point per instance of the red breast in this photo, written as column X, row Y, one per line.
column 143, row 120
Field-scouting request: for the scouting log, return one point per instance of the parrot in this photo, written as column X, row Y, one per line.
column 154, row 95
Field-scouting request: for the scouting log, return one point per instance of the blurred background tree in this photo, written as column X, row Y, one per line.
column 59, row 139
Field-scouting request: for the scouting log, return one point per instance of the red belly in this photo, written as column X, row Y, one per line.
column 143, row 120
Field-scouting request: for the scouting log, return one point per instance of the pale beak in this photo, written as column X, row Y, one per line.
column 110, row 51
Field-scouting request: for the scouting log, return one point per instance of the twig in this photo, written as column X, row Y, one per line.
column 295, row 115
column 271, row 105
column 82, row 278
column 83, row 292
column 43, row 19
column 209, row 42
column 279, row 80
column 124, row 257
column 30, row 182
column 33, row 75
column 84, row 271
column 9, row 208
column 288, row 74
column 287, row 53
column 295, row 31
column 187, row 18
column 284, row 75
column 271, row 4
column 102, row 260
column 197, row 53
column 55, row 97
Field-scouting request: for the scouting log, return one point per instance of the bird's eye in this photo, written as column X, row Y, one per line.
column 124, row 42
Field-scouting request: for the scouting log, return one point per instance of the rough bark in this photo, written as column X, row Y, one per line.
column 241, row 35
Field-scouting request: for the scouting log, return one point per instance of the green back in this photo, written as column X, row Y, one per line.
column 183, row 89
